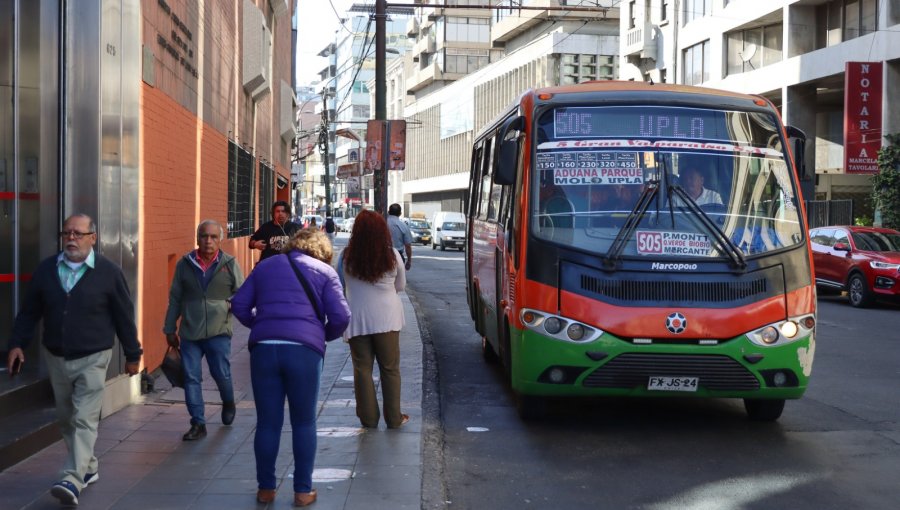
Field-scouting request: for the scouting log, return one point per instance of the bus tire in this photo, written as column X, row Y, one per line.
column 443, row 248
column 531, row 407
column 487, row 351
column 858, row 291
column 759, row 409
column 433, row 246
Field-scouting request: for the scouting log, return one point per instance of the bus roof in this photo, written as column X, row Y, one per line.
column 639, row 86
column 630, row 88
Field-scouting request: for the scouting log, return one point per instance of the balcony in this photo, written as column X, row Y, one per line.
column 422, row 78
column 424, row 45
column 640, row 42
column 412, row 27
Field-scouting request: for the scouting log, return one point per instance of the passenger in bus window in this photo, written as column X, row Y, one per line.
column 691, row 180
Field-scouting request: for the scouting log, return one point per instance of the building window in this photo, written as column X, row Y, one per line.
column 581, row 68
column 266, row 191
column 663, row 10
column 476, row 30
column 754, row 48
column 696, row 9
column 241, row 192
column 361, row 111
column 632, row 7
column 696, row 63
column 360, row 88
column 464, row 61
column 841, row 20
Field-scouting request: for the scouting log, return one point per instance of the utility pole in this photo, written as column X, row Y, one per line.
column 380, row 177
column 323, row 145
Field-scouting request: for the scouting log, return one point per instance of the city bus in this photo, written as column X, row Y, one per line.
column 642, row 240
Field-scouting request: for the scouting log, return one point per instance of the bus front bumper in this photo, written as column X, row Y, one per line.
column 735, row 368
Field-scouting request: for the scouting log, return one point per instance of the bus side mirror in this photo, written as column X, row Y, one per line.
column 507, row 160
column 798, row 143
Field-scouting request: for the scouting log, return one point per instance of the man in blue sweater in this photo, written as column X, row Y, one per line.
column 84, row 302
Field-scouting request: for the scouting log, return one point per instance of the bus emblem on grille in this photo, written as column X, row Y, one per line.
column 676, row 323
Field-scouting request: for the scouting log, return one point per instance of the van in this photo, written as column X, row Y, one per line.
column 448, row 229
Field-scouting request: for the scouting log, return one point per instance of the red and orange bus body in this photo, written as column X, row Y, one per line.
column 597, row 265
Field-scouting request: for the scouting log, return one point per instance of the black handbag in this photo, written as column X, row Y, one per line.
column 172, row 367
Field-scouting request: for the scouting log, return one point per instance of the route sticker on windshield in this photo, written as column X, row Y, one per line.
column 672, row 243
column 592, row 167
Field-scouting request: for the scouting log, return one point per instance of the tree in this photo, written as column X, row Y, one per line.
column 886, row 184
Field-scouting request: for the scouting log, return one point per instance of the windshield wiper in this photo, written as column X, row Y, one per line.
column 631, row 223
column 725, row 244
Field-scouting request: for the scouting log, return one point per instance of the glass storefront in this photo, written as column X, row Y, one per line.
column 29, row 149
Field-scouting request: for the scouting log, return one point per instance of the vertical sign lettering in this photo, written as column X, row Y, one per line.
column 862, row 117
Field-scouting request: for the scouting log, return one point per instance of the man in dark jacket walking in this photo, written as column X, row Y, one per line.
column 273, row 235
column 205, row 279
column 84, row 302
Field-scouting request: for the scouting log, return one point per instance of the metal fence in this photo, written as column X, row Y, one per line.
column 821, row 213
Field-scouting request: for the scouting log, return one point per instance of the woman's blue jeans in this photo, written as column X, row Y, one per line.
column 278, row 371
column 217, row 350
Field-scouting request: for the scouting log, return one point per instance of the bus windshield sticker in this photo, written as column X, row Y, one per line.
column 660, row 144
column 673, row 243
column 594, row 167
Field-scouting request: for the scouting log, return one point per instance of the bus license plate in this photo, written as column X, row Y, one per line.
column 672, row 384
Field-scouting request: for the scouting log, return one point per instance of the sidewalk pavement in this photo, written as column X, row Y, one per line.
column 145, row 465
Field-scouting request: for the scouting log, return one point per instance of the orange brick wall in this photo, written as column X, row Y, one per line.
column 180, row 187
column 186, row 123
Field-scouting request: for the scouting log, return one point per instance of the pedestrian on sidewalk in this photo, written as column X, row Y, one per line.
column 374, row 275
column 330, row 228
column 401, row 237
column 204, row 281
column 85, row 304
column 271, row 237
column 299, row 306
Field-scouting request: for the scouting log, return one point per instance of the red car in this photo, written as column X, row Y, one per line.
column 864, row 261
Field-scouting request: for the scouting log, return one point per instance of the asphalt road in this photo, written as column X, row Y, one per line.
column 836, row 448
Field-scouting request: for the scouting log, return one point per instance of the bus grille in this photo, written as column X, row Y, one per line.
column 675, row 291
column 717, row 373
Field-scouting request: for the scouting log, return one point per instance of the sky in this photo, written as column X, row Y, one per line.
column 316, row 26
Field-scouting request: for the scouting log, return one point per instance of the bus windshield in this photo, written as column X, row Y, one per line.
column 718, row 178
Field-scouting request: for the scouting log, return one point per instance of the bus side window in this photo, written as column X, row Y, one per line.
column 487, row 157
column 496, row 189
column 475, row 182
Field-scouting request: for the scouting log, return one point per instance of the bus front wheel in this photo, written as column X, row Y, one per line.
column 763, row 409
column 487, row 351
column 531, row 407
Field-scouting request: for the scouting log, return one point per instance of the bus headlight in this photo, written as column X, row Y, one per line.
column 782, row 332
column 558, row 327
column 789, row 329
column 575, row 331
column 552, row 325
column 769, row 335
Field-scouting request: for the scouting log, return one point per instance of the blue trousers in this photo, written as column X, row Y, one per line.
column 217, row 350
column 278, row 371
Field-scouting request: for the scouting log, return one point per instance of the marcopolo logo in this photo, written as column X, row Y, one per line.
column 658, row 266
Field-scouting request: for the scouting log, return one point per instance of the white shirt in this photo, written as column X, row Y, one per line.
column 707, row 196
column 376, row 308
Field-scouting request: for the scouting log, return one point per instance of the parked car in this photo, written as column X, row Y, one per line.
column 307, row 218
column 864, row 261
column 448, row 229
column 420, row 230
column 348, row 224
column 339, row 224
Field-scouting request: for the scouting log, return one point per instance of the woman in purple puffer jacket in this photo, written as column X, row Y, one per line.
column 288, row 331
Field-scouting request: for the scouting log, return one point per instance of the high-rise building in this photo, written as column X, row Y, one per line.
column 793, row 53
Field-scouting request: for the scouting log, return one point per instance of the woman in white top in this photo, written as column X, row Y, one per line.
column 373, row 276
